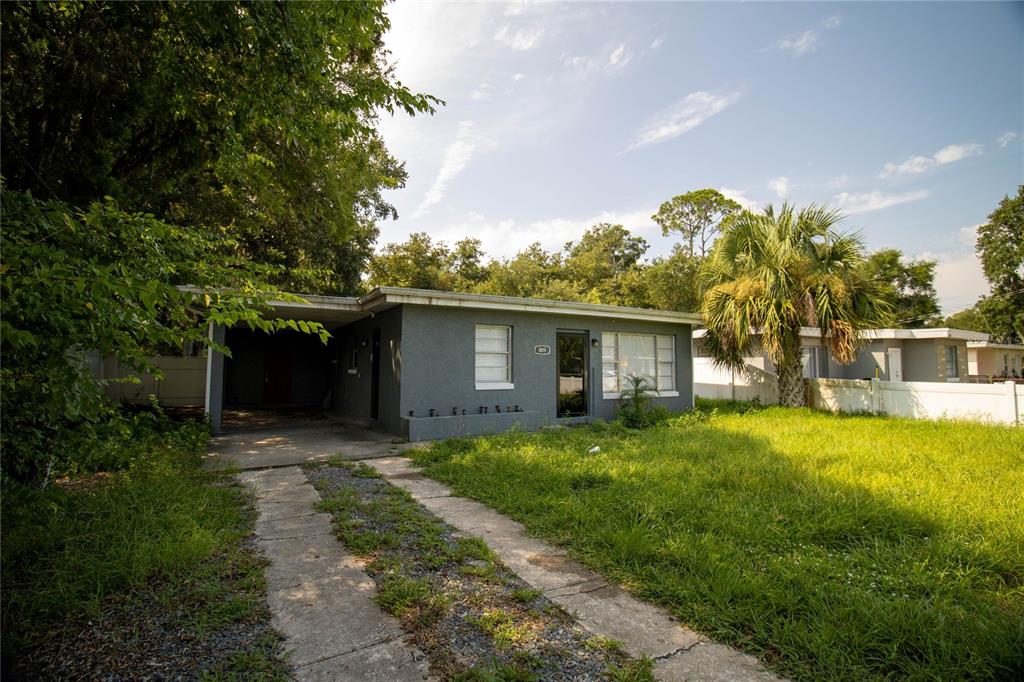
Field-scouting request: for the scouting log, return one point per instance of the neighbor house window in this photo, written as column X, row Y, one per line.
column 952, row 361
column 648, row 355
column 493, row 357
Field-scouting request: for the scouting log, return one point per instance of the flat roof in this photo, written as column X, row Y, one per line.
column 995, row 346
column 387, row 297
column 871, row 334
column 345, row 309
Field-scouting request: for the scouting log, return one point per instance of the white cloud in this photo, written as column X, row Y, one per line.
column 802, row 43
column 576, row 62
column 456, row 157
column 780, row 186
column 421, row 60
column 619, row 57
column 518, row 77
column 523, row 39
column 808, row 41
column 920, row 164
column 483, row 91
column 955, row 152
column 1006, row 138
column 959, row 279
column 683, row 116
column 656, row 43
column 738, row 196
column 864, row 202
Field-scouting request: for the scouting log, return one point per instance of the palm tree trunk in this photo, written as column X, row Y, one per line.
column 791, row 382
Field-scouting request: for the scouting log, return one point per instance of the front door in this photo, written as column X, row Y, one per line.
column 572, row 374
column 895, row 364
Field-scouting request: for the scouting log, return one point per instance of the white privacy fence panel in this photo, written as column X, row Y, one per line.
column 714, row 382
column 184, row 382
column 1000, row 403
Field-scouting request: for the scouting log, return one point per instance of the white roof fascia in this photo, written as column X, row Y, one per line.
column 389, row 296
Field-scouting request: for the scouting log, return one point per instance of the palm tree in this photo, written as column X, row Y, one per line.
column 772, row 273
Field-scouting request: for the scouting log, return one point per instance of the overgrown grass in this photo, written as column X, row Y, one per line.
column 160, row 536
column 832, row 547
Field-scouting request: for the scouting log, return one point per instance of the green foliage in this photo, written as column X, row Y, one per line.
column 100, row 280
column 833, row 547
column 670, row 283
column 908, row 285
column 1000, row 246
column 971, row 319
column 773, row 273
column 257, row 116
column 397, row 593
column 148, row 532
column 604, row 263
column 636, row 405
column 697, row 216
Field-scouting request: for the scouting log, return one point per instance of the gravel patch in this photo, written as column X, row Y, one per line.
column 473, row 617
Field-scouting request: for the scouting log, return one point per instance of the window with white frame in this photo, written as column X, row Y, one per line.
column 493, row 357
column 652, row 356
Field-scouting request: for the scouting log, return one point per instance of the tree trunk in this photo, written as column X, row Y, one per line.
column 791, row 382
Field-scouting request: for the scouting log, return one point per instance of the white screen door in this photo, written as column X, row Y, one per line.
column 895, row 364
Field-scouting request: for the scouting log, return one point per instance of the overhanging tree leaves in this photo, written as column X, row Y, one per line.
column 106, row 282
column 255, row 115
column 770, row 274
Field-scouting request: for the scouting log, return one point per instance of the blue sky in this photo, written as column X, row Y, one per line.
column 906, row 116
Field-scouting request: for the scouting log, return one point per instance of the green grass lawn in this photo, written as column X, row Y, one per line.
column 839, row 547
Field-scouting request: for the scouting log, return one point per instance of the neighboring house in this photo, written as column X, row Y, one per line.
column 886, row 354
column 986, row 359
column 431, row 364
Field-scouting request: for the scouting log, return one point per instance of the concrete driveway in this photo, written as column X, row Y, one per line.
column 261, row 445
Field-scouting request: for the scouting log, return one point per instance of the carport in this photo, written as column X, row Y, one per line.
column 287, row 372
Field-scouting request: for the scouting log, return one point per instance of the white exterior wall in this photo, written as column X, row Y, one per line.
column 724, row 384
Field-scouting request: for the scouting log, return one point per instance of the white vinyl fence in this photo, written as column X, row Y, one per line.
column 1000, row 403
column 184, row 382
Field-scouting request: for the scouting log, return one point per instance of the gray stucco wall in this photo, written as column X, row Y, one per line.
column 438, row 368
column 352, row 390
column 920, row 360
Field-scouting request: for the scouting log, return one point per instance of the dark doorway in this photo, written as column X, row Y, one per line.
column 572, row 374
column 277, row 374
column 375, row 375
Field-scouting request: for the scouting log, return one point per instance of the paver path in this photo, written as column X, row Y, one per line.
column 319, row 596
column 603, row 608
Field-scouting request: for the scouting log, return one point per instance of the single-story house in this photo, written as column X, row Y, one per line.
column 887, row 354
column 995, row 360
column 432, row 364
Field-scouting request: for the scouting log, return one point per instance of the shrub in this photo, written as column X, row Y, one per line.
column 636, row 406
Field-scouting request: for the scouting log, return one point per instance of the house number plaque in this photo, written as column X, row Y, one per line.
column 542, row 350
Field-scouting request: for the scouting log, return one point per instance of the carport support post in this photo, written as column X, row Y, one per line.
column 215, row 377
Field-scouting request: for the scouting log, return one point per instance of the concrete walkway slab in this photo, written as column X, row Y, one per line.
column 261, row 448
column 319, row 596
column 602, row 608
